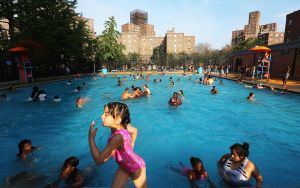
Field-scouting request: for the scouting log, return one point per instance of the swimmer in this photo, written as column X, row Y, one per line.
column 221, row 82
column 80, row 102
column 56, row 98
column 77, row 90
column 34, row 94
column 236, row 169
column 174, row 100
column 197, row 172
column 180, row 93
column 214, row 90
column 259, row 86
column 147, row 90
column 25, row 148
column 119, row 82
column 69, row 82
column 42, row 95
column 250, row 96
column 172, row 84
column 248, row 86
column 70, row 174
column 126, row 95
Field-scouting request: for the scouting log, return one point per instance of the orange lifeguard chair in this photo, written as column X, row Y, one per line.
column 25, row 69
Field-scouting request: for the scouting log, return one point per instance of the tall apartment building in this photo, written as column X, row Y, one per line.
column 267, row 32
column 292, row 27
column 139, row 37
column 90, row 25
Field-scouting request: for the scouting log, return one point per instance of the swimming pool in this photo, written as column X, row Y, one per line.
column 205, row 126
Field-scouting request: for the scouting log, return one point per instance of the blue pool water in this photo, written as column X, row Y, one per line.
column 205, row 126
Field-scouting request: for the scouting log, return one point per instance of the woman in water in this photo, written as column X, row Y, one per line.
column 237, row 169
column 175, row 101
column 116, row 116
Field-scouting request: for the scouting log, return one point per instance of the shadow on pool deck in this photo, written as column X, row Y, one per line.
column 276, row 83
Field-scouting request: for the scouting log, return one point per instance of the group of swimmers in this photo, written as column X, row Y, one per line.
column 136, row 92
column 235, row 167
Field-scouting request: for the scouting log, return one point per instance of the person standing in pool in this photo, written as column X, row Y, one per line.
column 116, row 116
column 126, row 95
column 236, row 169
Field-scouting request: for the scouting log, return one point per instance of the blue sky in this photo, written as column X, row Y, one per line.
column 211, row 21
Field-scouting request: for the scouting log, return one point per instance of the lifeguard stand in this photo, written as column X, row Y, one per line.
column 25, row 69
column 263, row 69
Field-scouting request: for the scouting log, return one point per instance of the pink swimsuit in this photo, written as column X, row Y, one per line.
column 186, row 171
column 125, row 156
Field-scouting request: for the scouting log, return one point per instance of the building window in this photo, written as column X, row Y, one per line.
column 290, row 22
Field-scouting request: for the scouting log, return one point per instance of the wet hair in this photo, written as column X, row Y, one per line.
column 251, row 94
column 22, row 144
column 241, row 150
column 56, row 97
column 194, row 161
column 146, row 85
column 72, row 161
column 126, row 89
column 35, row 90
column 117, row 109
column 181, row 91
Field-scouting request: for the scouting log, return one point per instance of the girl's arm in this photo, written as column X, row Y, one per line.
column 102, row 156
column 133, row 133
column 192, row 181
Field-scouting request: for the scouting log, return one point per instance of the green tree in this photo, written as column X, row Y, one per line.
column 134, row 58
column 249, row 43
column 159, row 56
column 109, row 50
column 53, row 24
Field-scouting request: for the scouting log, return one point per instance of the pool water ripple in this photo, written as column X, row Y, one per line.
column 204, row 126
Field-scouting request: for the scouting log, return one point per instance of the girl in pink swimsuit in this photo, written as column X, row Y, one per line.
column 116, row 116
column 197, row 172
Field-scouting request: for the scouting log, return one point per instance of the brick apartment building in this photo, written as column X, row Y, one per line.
column 292, row 27
column 283, row 54
column 139, row 37
column 267, row 32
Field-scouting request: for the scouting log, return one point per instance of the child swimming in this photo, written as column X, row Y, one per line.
column 70, row 174
column 25, row 148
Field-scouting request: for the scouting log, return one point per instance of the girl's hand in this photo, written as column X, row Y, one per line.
column 93, row 131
